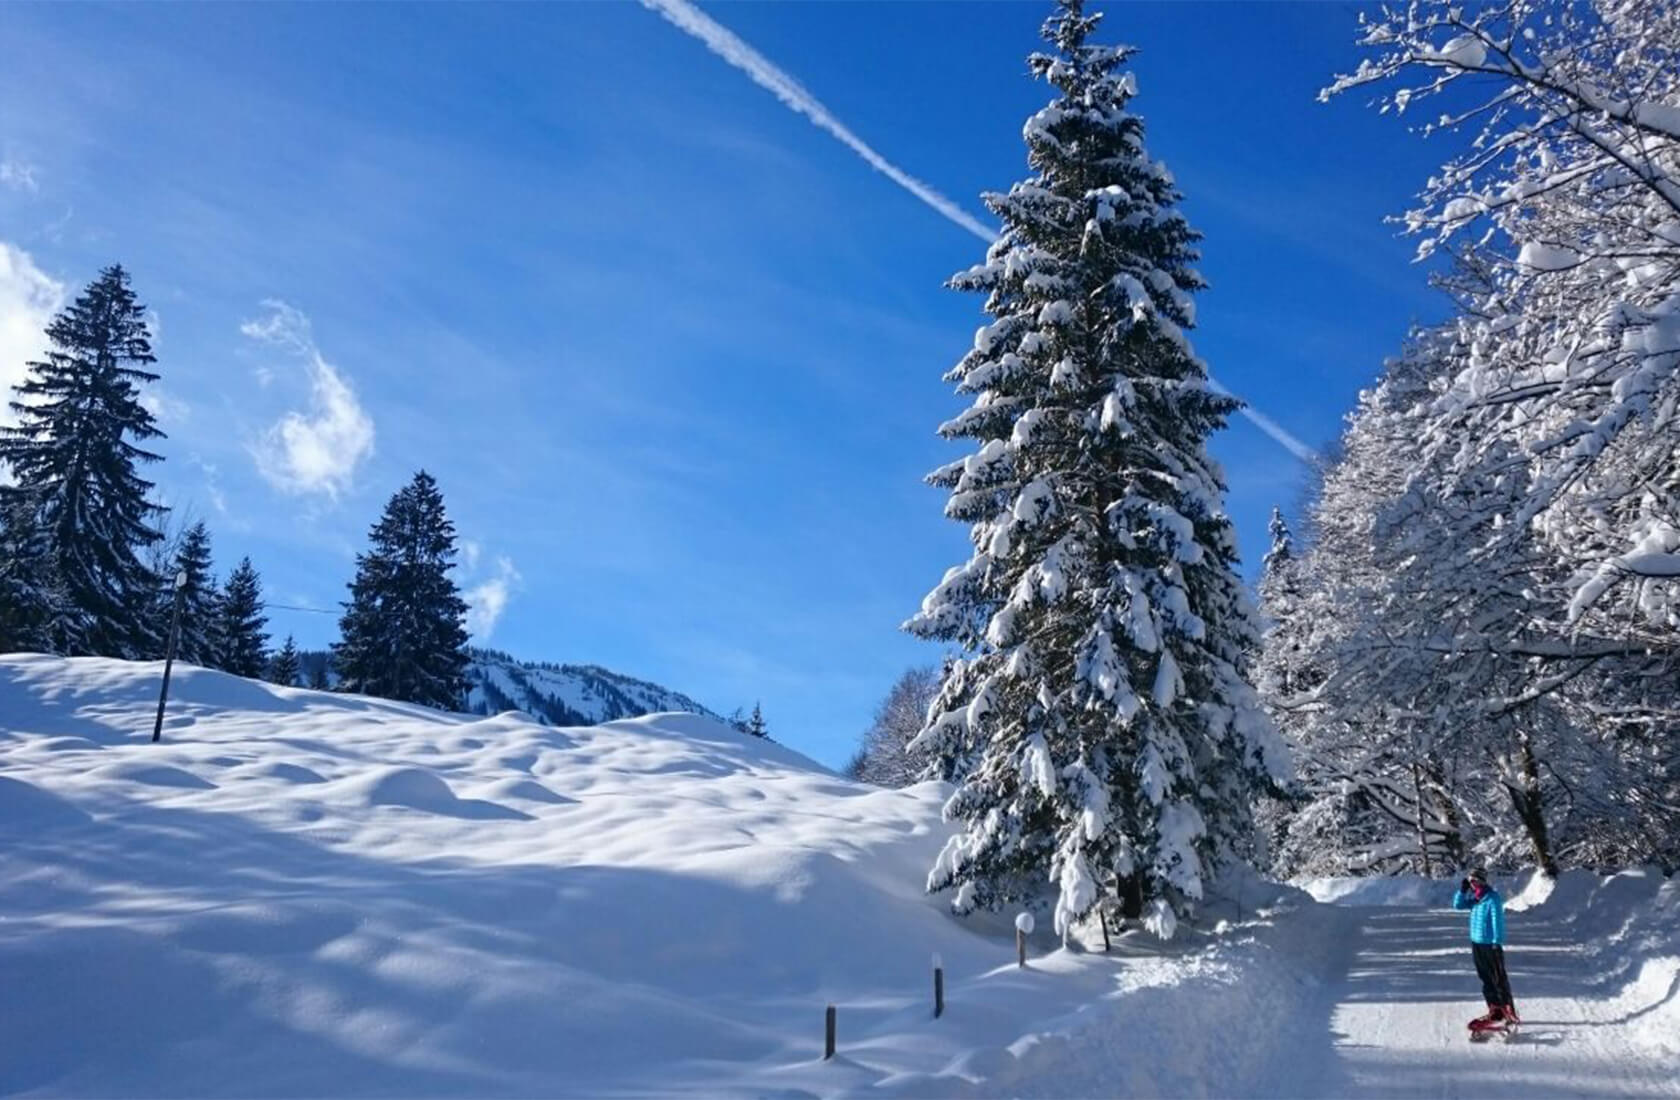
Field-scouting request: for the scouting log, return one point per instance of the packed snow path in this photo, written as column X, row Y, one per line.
column 1397, row 1026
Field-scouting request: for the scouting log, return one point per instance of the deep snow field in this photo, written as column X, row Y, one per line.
column 299, row 893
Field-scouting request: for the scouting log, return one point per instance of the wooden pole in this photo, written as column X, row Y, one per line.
column 938, row 989
column 828, row 1033
column 169, row 655
column 1021, row 947
column 1102, row 914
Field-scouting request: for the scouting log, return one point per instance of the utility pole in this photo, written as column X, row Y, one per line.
column 169, row 654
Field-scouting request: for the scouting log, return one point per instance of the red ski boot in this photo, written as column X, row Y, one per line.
column 1494, row 1023
column 1492, row 1018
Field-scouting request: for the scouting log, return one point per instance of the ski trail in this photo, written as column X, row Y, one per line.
column 1398, row 1026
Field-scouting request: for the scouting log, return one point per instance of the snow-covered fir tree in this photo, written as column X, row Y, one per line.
column 884, row 757
column 198, row 640
column 403, row 630
column 73, row 454
column 283, row 670
column 756, row 726
column 1282, row 549
column 1100, row 724
column 240, row 635
column 1280, row 592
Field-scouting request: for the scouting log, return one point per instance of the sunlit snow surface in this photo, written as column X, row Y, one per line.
column 311, row 894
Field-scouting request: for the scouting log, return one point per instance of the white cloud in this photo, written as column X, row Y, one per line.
column 470, row 551
column 487, row 601
column 19, row 175
column 170, row 411
column 28, row 299
column 319, row 450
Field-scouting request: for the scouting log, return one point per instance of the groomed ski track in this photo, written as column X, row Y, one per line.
column 1379, row 1009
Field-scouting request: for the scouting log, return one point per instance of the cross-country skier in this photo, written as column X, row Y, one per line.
column 1487, row 939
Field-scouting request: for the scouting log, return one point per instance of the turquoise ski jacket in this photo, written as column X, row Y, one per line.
column 1487, row 917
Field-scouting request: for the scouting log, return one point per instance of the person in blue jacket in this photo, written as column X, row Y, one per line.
column 1487, row 946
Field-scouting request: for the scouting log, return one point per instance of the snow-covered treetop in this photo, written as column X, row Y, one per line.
column 1283, row 543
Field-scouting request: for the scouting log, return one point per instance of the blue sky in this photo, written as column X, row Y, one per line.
column 673, row 353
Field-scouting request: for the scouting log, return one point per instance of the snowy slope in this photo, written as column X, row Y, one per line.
column 315, row 894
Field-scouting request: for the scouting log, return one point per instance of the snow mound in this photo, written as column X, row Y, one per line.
column 27, row 808
column 286, row 773
column 411, row 787
column 1411, row 890
column 528, row 789
column 155, row 775
column 1521, row 890
column 418, row 789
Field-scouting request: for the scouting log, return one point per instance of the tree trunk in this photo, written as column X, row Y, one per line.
column 1130, row 890
column 1530, row 806
column 1436, row 782
column 1422, row 809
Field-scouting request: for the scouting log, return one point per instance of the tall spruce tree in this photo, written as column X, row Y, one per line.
column 403, row 629
column 283, row 670
column 73, row 455
column 1100, row 724
column 243, row 642
column 199, row 639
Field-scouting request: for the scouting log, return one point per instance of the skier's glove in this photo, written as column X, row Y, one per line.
column 1464, row 886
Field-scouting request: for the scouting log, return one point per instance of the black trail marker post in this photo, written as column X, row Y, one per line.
column 938, row 988
column 828, row 1033
column 169, row 653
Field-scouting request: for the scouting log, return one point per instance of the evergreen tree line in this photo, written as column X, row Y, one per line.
column 1476, row 645
column 86, row 570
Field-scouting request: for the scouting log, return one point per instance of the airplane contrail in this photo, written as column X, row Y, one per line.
column 726, row 44
column 1280, row 435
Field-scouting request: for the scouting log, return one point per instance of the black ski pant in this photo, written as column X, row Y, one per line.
column 1490, row 967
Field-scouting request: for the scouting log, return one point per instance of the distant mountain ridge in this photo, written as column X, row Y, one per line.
column 566, row 695
column 555, row 695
